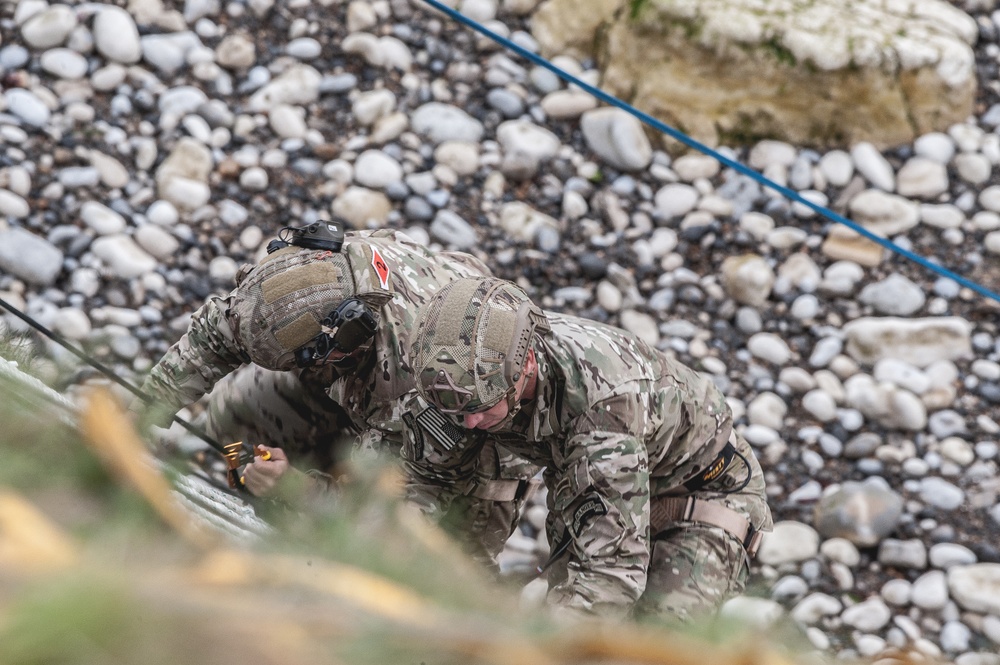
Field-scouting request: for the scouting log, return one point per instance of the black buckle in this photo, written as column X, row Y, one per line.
column 714, row 470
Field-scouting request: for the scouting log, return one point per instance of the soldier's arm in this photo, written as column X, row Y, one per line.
column 190, row 368
column 602, row 498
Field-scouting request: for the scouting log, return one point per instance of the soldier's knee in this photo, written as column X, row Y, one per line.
column 693, row 570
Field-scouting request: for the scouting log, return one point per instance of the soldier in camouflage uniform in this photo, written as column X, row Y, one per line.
column 276, row 311
column 655, row 504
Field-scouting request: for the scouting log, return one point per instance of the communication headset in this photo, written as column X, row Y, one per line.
column 351, row 325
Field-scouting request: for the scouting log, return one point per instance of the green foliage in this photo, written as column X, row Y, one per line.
column 137, row 592
column 18, row 349
column 636, row 7
column 370, row 527
column 779, row 51
column 38, row 448
column 742, row 133
column 93, row 618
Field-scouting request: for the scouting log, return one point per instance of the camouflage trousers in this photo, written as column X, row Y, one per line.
column 292, row 411
column 695, row 567
column 283, row 410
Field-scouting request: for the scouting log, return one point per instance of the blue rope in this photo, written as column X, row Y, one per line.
column 690, row 142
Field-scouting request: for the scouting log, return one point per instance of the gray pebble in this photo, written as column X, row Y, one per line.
column 338, row 84
column 507, row 103
column 903, row 553
column 29, row 257
column 418, row 209
column 941, row 494
column 15, row 56
column 548, row 239
column 955, row 637
column 453, row 231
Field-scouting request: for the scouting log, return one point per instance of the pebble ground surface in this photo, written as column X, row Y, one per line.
column 146, row 154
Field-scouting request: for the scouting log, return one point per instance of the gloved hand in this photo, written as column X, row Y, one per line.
column 262, row 476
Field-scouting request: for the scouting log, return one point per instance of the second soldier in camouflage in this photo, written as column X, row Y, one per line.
column 655, row 504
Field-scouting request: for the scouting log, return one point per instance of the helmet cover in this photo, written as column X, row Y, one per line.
column 278, row 305
column 472, row 340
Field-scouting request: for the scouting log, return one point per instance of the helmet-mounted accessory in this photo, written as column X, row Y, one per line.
column 346, row 329
column 328, row 235
column 448, row 396
column 312, row 295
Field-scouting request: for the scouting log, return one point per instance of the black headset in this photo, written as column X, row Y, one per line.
column 352, row 324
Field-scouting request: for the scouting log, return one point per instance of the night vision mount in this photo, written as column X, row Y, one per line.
column 318, row 235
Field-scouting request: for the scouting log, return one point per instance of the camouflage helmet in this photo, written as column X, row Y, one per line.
column 472, row 340
column 279, row 305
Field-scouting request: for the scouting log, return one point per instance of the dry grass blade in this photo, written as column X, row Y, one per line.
column 111, row 434
column 360, row 588
column 29, row 541
column 606, row 643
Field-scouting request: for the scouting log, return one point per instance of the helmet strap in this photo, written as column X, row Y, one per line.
column 516, row 395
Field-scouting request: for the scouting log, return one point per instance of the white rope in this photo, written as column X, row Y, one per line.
column 224, row 513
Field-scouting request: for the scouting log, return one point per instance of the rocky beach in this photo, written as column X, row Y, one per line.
column 148, row 150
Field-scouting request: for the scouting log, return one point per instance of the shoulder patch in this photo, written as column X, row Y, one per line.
column 592, row 506
column 442, row 430
column 713, row 470
column 381, row 268
column 418, row 437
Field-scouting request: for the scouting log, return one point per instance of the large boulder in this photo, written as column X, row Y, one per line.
column 570, row 26
column 919, row 342
column 824, row 74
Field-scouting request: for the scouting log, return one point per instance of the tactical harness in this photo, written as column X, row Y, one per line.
column 666, row 511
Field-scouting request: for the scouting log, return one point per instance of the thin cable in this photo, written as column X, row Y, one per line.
column 108, row 372
column 692, row 143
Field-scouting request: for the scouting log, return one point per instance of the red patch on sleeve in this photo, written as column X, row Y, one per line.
column 381, row 269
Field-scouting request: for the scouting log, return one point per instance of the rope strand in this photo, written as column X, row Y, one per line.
column 692, row 143
column 106, row 371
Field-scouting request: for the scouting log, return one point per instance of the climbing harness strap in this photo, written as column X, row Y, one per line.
column 666, row 511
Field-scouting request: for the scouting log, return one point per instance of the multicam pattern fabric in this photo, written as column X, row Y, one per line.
column 292, row 408
column 282, row 410
column 615, row 423
column 696, row 567
column 213, row 347
column 468, row 361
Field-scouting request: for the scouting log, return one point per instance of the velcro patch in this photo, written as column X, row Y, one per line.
column 418, row 437
column 381, row 269
column 592, row 506
column 713, row 470
column 442, row 430
column 296, row 333
column 299, row 278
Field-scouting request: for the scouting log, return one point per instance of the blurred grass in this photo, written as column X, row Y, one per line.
column 121, row 574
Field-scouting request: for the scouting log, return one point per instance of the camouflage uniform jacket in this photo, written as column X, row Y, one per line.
column 615, row 422
column 210, row 349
